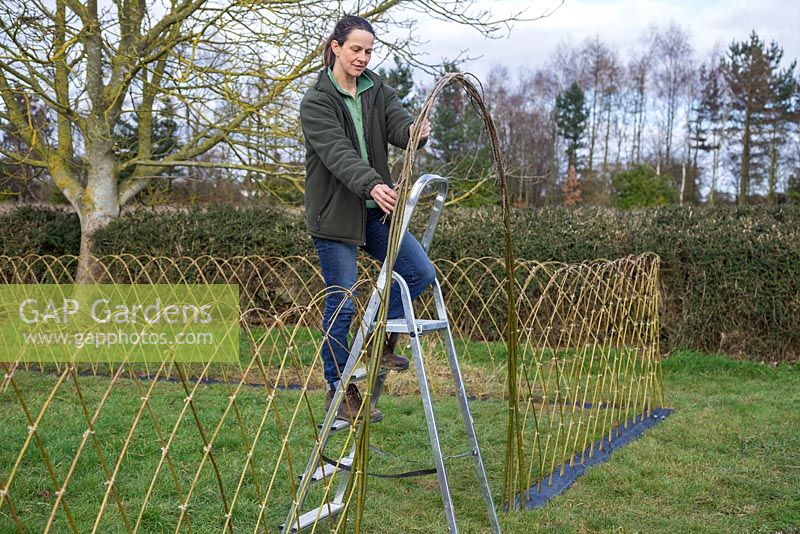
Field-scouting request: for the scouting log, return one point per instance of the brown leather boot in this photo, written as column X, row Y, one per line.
column 390, row 360
column 350, row 406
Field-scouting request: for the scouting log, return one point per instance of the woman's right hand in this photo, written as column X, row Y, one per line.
column 385, row 197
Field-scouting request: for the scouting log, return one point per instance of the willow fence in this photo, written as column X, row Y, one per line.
column 136, row 447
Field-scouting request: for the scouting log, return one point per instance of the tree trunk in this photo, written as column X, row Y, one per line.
column 639, row 124
column 695, row 176
column 554, row 166
column 592, row 128
column 607, row 136
column 744, row 180
column 97, row 207
column 89, row 269
column 773, row 174
column 714, row 165
column 672, row 104
column 717, row 140
column 683, row 183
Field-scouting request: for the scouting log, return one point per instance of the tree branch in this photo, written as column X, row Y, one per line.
column 61, row 83
column 131, row 188
column 183, row 11
column 26, row 131
column 77, row 8
column 58, row 108
column 22, row 159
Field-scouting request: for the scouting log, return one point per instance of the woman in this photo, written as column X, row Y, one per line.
column 348, row 117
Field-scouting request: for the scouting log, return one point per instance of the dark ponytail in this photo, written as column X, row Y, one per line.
column 346, row 24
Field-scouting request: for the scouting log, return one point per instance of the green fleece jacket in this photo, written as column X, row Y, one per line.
column 338, row 180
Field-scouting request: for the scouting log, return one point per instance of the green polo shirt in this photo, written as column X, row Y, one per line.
column 354, row 107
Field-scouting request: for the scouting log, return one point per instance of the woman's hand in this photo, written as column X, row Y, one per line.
column 385, row 197
column 425, row 129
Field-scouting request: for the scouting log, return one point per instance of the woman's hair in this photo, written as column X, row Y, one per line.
column 346, row 24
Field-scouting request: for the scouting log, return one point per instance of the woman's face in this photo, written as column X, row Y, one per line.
column 353, row 56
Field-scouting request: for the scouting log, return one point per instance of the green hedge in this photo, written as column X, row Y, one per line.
column 30, row 230
column 730, row 276
column 221, row 231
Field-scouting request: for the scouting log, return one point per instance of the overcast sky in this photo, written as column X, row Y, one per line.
column 620, row 23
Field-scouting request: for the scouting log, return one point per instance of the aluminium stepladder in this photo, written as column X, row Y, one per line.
column 316, row 470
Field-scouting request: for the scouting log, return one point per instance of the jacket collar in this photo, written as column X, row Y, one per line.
column 324, row 83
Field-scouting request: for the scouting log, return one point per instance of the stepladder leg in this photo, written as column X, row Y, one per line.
column 293, row 520
column 463, row 400
column 427, row 404
column 433, row 433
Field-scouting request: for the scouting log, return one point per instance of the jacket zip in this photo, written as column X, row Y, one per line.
column 354, row 141
column 366, row 109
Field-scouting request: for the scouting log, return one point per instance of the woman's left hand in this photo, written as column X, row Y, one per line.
column 385, row 197
column 425, row 129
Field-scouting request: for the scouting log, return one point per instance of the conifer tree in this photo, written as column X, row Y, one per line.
column 571, row 117
column 759, row 93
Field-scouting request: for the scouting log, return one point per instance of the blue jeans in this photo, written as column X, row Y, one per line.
column 338, row 263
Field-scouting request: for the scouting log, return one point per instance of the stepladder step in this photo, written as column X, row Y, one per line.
column 424, row 326
column 308, row 519
column 328, row 470
column 337, row 426
column 360, row 374
column 342, row 424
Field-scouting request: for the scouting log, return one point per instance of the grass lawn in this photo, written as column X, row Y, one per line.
column 727, row 460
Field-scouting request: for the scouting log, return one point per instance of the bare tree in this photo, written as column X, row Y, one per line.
column 91, row 63
column 599, row 78
column 595, row 60
column 521, row 109
column 672, row 55
column 610, row 99
column 638, row 74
